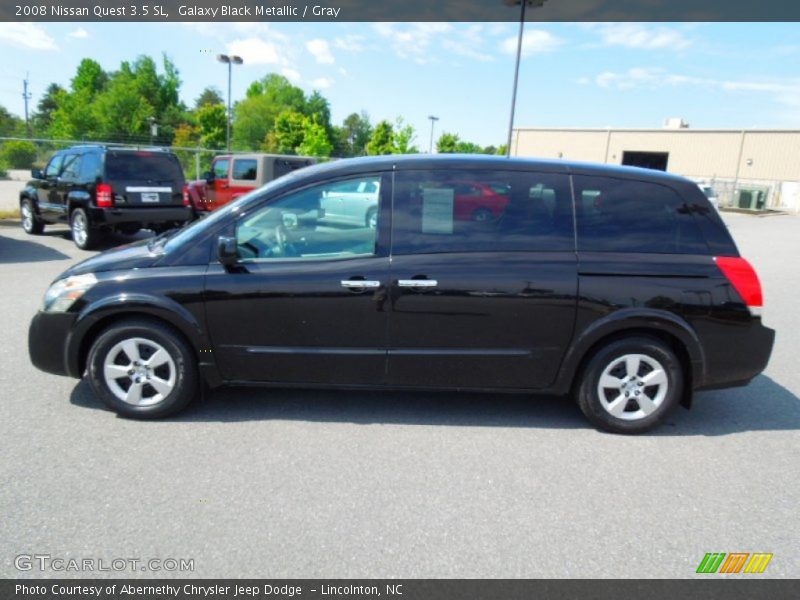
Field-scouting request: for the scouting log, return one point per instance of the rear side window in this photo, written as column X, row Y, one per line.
column 621, row 215
column 481, row 211
column 244, row 169
column 143, row 166
column 70, row 170
column 90, row 167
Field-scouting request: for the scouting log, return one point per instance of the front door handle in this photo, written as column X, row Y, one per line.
column 417, row 283
column 360, row 284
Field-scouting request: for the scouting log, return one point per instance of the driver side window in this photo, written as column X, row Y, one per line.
column 333, row 220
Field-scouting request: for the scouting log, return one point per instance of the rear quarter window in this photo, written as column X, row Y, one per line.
column 623, row 215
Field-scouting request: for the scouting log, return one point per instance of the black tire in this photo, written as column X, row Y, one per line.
column 84, row 235
column 371, row 214
column 31, row 222
column 637, row 416
column 184, row 363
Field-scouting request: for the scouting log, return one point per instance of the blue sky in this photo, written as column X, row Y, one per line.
column 715, row 75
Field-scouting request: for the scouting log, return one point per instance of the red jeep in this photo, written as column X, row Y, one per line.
column 233, row 175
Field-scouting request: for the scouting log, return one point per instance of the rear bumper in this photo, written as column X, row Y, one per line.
column 115, row 216
column 47, row 341
column 739, row 357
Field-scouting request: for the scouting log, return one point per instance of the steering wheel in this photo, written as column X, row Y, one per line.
column 282, row 246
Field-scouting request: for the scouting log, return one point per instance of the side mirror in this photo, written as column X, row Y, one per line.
column 37, row 174
column 209, row 177
column 226, row 251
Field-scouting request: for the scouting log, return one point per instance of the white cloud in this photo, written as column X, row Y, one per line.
column 321, row 51
column 350, row 43
column 79, row 33
column 256, row 51
column 468, row 42
column 413, row 40
column 637, row 35
column 291, row 74
column 322, row 83
column 534, row 41
column 783, row 91
column 26, row 35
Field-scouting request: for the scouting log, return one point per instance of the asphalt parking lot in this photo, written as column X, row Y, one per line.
column 265, row 483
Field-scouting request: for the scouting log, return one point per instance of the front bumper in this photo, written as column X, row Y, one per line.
column 47, row 341
column 144, row 216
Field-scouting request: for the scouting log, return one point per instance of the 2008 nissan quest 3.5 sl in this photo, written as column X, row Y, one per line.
column 619, row 286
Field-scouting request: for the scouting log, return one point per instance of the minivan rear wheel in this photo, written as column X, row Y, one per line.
column 142, row 369
column 630, row 385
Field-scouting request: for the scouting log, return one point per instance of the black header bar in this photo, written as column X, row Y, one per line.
column 398, row 10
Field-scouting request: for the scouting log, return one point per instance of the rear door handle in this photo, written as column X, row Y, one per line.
column 360, row 284
column 417, row 283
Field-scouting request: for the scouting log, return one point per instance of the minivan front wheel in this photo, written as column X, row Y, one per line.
column 630, row 385
column 142, row 369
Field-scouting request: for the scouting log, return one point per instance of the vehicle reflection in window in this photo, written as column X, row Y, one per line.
column 330, row 221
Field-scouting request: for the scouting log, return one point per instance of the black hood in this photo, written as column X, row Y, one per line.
column 130, row 256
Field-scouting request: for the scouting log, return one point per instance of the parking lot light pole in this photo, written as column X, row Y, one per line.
column 523, row 4
column 433, row 121
column 230, row 61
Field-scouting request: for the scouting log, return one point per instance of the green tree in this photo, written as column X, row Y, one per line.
column 289, row 132
column 18, row 154
column 212, row 125
column 43, row 117
column 403, row 137
column 382, row 140
column 89, row 77
column 447, row 143
column 9, row 124
column 356, row 132
column 255, row 115
column 315, row 140
column 210, row 95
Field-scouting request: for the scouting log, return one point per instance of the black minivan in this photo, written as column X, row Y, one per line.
column 619, row 286
column 96, row 188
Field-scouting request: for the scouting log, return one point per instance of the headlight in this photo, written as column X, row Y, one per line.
column 64, row 292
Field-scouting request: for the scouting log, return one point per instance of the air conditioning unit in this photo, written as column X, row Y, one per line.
column 675, row 123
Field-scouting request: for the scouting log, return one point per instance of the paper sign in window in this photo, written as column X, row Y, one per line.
column 437, row 210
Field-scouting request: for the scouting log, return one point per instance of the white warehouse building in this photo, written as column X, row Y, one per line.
column 747, row 168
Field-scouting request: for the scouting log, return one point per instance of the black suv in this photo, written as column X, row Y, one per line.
column 618, row 286
column 97, row 188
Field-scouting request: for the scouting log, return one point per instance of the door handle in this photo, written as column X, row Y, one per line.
column 360, row 284
column 417, row 283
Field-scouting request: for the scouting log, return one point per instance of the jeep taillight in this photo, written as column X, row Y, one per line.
column 186, row 200
column 105, row 198
column 744, row 279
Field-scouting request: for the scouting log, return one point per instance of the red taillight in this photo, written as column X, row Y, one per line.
column 744, row 279
column 186, row 201
column 105, row 198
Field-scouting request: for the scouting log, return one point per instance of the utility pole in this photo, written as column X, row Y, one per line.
column 26, row 96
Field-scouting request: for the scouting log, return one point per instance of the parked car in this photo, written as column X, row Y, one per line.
column 628, row 304
column 711, row 194
column 233, row 175
column 102, row 188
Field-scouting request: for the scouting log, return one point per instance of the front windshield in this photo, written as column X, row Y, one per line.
column 199, row 227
